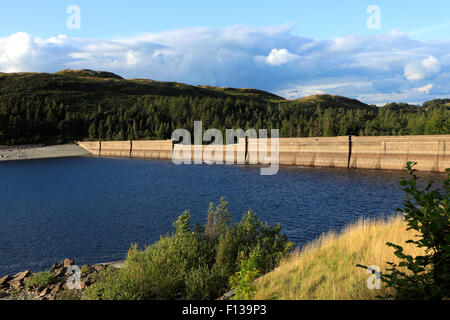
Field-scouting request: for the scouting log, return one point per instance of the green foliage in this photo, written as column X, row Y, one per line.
column 427, row 212
column 111, row 284
column 194, row 262
column 86, row 269
column 40, row 280
column 68, row 295
column 243, row 281
column 68, row 106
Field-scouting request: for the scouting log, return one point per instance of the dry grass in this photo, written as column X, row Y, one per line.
column 326, row 268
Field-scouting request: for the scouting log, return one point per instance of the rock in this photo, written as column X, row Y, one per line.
column 55, row 266
column 59, row 272
column 16, row 284
column 21, row 275
column 84, row 284
column 17, row 281
column 44, row 292
column 228, row 296
column 56, row 289
column 99, row 267
column 68, row 263
column 4, row 280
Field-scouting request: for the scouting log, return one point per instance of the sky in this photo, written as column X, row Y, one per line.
column 376, row 51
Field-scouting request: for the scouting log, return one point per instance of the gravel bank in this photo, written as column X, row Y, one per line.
column 41, row 152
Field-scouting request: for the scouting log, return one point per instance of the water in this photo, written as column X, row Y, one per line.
column 92, row 209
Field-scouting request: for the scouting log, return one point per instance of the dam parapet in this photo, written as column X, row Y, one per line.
column 431, row 152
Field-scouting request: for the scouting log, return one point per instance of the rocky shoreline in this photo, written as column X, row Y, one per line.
column 56, row 286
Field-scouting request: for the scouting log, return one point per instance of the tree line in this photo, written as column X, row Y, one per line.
column 47, row 120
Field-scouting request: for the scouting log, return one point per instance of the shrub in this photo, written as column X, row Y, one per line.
column 427, row 212
column 112, row 284
column 40, row 280
column 193, row 262
column 86, row 269
column 243, row 281
column 68, row 295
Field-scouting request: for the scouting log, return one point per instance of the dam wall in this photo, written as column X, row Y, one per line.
column 432, row 153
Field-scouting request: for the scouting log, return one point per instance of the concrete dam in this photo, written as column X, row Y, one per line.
column 431, row 152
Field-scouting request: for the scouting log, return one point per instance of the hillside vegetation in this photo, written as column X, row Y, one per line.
column 84, row 104
column 325, row 269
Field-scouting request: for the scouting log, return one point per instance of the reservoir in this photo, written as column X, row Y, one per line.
column 92, row 209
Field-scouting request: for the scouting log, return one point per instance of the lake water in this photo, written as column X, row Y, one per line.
column 92, row 209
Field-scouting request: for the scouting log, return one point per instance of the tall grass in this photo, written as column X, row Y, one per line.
column 326, row 268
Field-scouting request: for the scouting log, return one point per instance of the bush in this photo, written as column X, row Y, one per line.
column 194, row 262
column 68, row 295
column 86, row 269
column 243, row 281
column 40, row 280
column 427, row 212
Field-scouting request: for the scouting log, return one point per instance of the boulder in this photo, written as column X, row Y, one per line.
column 84, row 284
column 21, row 275
column 56, row 266
column 16, row 284
column 44, row 292
column 56, row 289
column 59, row 272
column 99, row 267
column 68, row 263
column 4, row 280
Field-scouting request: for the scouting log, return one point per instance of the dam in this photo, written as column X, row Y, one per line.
column 431, row 152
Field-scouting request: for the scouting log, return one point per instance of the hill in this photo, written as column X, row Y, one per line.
column 84, row 104
column 326, row 269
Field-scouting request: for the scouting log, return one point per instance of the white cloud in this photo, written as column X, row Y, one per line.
column 279, row 57
column 425, row 89
column 374, row 68
column 423, row 69
column 15, row 51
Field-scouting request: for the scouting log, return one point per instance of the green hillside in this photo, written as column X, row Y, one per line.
column 84, row 104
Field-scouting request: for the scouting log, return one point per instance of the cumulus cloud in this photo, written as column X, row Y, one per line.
column 373, row 68
column 279, row 57
column 423, row 69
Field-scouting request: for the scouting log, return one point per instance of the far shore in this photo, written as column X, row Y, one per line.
column 30, row 152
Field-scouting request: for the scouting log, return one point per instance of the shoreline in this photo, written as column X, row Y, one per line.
column 13, row 287
column 39, row 151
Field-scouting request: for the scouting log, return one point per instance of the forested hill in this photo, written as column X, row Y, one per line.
column 84, row 104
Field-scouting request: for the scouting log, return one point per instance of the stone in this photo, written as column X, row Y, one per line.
column 84, row 284
column 59, row 272
column 68, row 263
column 43, row 292
column 16, row 284
column 56, row 289
column 99, row 267
column 21, row 275
column 55, row 266
column 4, row 280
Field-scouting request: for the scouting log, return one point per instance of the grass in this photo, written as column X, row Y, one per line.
column 326, row 268
column 68, row 295
column 40, row 280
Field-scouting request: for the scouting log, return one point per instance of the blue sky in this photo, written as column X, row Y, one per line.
column 293, row 48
